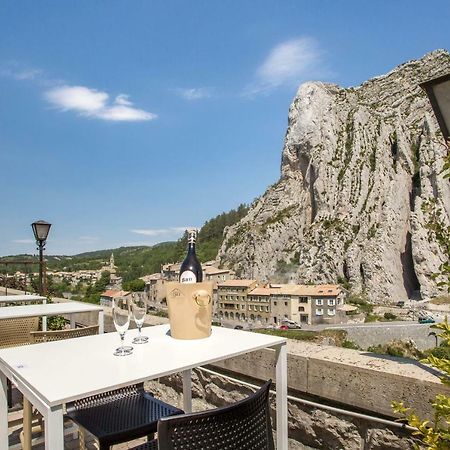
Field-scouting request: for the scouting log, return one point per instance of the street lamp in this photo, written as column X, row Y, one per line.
column 438, row 91
column 41, row 230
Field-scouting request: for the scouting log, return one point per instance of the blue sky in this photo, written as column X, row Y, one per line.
column 123, row 122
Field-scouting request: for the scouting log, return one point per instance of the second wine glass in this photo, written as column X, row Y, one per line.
column 121, row 318
column 139, row 310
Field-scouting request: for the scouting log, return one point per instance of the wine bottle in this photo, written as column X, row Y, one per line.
column 191, row 269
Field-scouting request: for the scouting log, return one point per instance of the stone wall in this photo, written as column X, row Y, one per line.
column 309, row 428
column 343, row 378
column 365, row 336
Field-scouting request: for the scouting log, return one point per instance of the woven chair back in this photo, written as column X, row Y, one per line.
column 244, row 425
column 16, row 332
column 59, row 335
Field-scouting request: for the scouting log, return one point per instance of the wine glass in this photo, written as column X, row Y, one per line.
column 121, row 319
column 139, row 310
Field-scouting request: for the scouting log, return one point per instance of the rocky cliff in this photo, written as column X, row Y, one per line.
column 361, row 199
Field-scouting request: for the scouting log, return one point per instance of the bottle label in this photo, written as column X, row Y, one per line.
column 188, row 277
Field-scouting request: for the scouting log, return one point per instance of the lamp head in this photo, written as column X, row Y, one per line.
column 438, row 91
column 41, row 229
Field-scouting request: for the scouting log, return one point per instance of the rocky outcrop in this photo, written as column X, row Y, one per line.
column 361, row 199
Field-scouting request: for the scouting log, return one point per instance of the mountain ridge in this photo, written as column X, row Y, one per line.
column 359, row 193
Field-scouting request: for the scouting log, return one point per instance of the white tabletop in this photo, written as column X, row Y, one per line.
column 62, row 371
column 52, row 309
column 21, row 298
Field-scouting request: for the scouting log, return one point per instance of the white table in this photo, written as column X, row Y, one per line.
column 54, row 373
column 22, row 298
column 52, row 309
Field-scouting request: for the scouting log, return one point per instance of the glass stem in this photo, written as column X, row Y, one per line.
column 122, row 339
column 139, row 328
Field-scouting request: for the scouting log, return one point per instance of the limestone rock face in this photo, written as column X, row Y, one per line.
column 361, row 198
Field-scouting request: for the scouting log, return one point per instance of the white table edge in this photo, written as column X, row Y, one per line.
column 17, row 378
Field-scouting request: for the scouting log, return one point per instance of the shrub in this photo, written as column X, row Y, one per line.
column 389, row 316
column 371, row 318
column 351, row 344
column 433, row 435
column 361, row 302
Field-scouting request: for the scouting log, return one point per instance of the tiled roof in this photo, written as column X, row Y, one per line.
column 114, row 293
column 319, row 290
column 153, row 276
column 211, row 270
column 261, row 291
column 237, row 283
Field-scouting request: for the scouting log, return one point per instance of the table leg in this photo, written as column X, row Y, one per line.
column 27, row 419
column 72, row 321
column 281, row 386
column 187, row 391
column 54, row 428
column 101, row 322
column 3, row 413
column 44, row 323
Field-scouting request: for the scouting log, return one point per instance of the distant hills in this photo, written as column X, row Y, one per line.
column 134, row 262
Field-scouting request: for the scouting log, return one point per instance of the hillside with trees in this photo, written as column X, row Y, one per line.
column 134, row 262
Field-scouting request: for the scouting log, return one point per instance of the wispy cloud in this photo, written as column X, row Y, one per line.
column 288, row 63
column 92, row 103
column 19, row 72
column 23, row 241
column 194, row 93
column 154, row 232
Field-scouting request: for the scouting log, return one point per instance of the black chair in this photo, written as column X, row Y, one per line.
column 243, row 426
column 120, row 415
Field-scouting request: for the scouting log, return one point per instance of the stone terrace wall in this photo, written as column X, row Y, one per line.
column 383, row 334
column 338, row 377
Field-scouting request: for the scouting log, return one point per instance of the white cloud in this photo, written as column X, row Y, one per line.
column 23, row 241
column 194, row 93
column 95, row 104
column 288, row 63
column 161, row 231
column 18, row 72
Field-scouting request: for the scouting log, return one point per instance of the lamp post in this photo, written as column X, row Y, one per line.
column 41, row 230
column 438, row 92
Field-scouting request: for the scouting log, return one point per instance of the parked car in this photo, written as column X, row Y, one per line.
column 290, row 324
column 238, row 327
column 283, row 327
column 426, row 320
column 400, row 304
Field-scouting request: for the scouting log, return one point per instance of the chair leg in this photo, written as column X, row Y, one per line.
column 81, row 441
column 27, row 424
column 9, row 392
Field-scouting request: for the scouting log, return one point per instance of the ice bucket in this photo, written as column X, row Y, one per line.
column 190, row 309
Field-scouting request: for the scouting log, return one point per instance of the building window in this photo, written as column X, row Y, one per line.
column 242, row 306
column 319, row 302
column 303, row 299
column 331, row 312
column 301, row 308
column 267, row 309
column 275, row 303
column 285, row 303
column 319, row 312
column 331, row 302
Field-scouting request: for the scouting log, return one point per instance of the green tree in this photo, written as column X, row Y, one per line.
column 137, row 285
